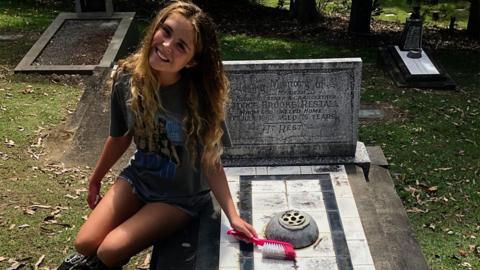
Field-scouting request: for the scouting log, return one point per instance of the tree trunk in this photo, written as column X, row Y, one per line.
column 360, row 16
column 293, row 8
column 473, row 27
column 305, row 11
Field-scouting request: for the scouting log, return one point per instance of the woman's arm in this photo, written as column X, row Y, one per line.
column 218, row 183
column 112, row 150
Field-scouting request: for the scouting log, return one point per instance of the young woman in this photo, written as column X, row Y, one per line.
column 169, row 97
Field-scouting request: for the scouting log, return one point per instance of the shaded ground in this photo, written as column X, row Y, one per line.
column 235, row 18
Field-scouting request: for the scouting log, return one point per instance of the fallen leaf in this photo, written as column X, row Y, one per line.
column 39, row 261
column 23, row 226
column 16, row 265
column 462, row 253
column 9, row 143
column 443, row 169
column 29, row 211
column 71, row 196
column 432, row 189
column 34, row 206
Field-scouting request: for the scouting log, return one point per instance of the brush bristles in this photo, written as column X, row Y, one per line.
column 273, row 251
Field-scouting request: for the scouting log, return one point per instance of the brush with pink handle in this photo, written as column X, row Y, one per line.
column 271, row 249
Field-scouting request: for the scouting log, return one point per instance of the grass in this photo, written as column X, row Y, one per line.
column 27, row 15
column 433, row 150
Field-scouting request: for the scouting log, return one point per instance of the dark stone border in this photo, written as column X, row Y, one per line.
column 124, row 37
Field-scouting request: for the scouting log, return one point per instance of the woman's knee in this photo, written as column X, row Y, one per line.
column 86, row 245
column 113, row 253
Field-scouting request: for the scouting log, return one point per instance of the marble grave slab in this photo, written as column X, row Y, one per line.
column 321, row 191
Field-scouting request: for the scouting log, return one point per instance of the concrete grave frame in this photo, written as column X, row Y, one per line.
column 123, row 37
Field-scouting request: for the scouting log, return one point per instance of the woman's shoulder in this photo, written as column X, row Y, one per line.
column 121, row 80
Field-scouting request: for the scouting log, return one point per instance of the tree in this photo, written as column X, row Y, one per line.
column 473, row 27
column 305, row 11
column 360, row 16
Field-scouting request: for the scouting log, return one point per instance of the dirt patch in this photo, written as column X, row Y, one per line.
column 78, row 42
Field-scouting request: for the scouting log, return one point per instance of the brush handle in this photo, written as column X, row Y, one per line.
column 254, row 240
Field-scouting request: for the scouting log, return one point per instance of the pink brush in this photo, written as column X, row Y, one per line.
column 272, row 249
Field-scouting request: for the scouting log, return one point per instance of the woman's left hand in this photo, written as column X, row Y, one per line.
column 240, row 225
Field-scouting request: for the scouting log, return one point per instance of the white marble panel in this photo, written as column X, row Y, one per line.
column 322, row 248
column 234, row 190
column 261, row 171
column 268, row 186
column 269, row 202
column 321, row 220
column 260, row 221
column 364, row 267
column 347, row 207
column 260, row 263
column 224, row 227
column 232, row 178
column 359, row 252
column 229, row 254
column 312, row 201
column 340, row 184
column 306, row 169
column 283, row 170
column 418, row 66
column 231, row 171
column 353, row 228
column 307, row 185
column 321, row 263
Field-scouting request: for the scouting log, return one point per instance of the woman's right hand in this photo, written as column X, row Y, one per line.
column 93, row 193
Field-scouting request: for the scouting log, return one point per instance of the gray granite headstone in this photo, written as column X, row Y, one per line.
column 293, row 109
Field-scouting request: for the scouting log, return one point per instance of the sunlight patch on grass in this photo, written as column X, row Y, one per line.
column 243, row 47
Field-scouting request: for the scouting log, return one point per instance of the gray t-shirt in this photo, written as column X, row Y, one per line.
column 188, row 181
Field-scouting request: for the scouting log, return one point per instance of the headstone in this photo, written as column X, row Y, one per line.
column 412, row 33
column 292, row 111
column 411, row 66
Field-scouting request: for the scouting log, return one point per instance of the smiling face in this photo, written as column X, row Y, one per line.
column 172, row 48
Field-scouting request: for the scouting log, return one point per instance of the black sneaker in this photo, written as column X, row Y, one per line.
column 75, row 261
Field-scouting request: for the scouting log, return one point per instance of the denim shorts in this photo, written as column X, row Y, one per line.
column 149, row 186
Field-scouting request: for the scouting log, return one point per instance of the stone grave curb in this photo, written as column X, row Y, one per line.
column 124, row 37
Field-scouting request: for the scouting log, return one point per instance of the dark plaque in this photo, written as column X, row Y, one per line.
column 412, row 33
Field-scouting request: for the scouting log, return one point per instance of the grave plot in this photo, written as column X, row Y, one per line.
column 322, row 192
column 78, row 43
column 411, row 66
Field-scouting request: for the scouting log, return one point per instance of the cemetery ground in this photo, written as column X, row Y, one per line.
column 431, row 138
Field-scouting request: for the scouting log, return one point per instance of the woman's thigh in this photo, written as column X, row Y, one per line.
column 118, row 204
column 153, row 222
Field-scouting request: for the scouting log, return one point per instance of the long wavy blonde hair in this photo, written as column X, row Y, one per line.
column 207, row 85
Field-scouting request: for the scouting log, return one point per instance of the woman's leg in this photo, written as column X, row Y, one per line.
column 118, row 204
column 150, row 224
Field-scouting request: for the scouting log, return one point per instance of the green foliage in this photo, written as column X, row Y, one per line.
column 20, row 16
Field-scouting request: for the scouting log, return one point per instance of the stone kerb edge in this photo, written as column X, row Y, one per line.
column 26, row 64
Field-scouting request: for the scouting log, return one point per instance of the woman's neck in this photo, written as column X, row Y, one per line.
column 166, row 78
